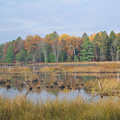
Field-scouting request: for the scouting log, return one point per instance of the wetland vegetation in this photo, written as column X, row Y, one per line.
column 59, row 91
column 21, row 109
column 100, row 78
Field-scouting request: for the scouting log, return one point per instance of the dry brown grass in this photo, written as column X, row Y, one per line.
column 110, row 87
column 21, row 109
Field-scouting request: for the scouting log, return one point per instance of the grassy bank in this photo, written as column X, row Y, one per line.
column 21, row 109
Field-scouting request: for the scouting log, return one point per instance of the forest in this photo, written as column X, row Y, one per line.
column 62, row 48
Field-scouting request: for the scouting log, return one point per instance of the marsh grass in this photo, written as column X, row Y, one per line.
column 110, row 87
column 21, row 109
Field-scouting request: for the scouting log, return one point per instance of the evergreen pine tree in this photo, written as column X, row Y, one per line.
column 21, row 56
column 87, row 51
column 111, row 45
column 10, row 54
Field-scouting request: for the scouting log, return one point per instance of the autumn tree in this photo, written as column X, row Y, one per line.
column 44, row 48
column 64, row 48
column 65, row 54
column 101, row 43
column 18, row 45
column 31, row 45
column 53, row 40
column 97, row 44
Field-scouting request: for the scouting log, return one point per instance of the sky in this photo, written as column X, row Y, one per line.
column 41, row 17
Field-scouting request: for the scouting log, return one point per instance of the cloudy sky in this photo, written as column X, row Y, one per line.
column 24, row 17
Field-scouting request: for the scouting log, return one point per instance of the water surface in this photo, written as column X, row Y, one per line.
column 45, row 95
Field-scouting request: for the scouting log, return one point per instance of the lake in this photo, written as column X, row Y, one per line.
column 45, row 95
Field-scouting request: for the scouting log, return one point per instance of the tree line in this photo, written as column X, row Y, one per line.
column 62, row 48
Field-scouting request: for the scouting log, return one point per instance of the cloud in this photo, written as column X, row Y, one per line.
column 23, row 17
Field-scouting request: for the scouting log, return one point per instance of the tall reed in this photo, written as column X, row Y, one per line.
column 21, row 109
